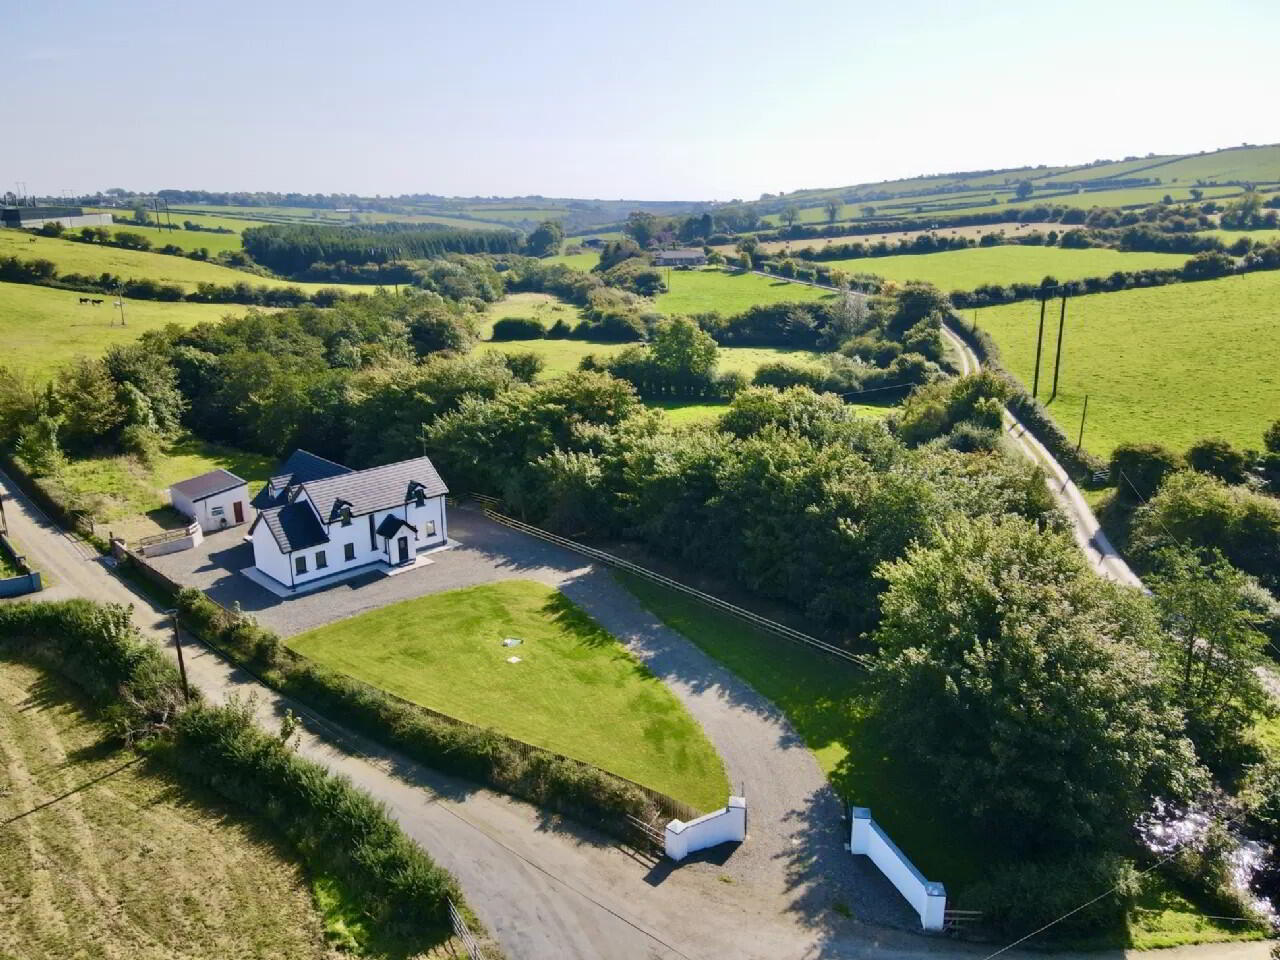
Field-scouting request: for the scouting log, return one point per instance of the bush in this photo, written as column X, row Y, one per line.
column 1026, row 896
column 1138, row 469
column 1218, row 458
column 519, row 328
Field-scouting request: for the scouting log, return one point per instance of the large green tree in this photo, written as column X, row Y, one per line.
column 1026, row 687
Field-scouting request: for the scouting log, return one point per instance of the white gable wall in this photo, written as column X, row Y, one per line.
column 216, row 512
column 267, row 556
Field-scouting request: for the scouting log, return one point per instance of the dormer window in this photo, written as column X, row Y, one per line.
column 420, row 497
column 346, row 516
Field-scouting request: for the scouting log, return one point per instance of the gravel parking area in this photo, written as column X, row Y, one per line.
column 795, row 851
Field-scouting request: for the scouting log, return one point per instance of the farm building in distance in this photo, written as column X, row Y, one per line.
column 32, row 218
column 679, row 258
column 318, row 518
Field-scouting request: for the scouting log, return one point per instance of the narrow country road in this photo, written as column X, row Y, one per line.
column 1102, row 556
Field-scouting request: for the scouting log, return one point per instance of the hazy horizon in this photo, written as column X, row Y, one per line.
column 668, row 102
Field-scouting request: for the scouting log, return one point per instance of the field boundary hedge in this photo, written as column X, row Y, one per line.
column 547, row 779
column 1080, row 465
column 336, row 828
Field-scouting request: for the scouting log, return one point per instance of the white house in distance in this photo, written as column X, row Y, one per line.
column 318, row 518
column 215, row 500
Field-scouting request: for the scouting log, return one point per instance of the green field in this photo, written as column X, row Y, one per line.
column 535, row 306
column 71, row 256
column 579, row 261
column 186, row 239
column 705, row 291
column 576, row 690
column 1009, row 263
column 102, row 862
column 1168, row 364
column 43, row 327
column 563, row 356
column 132, row 498
column 1258, row 236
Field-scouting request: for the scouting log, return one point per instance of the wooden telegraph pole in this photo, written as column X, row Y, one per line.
column 1083, row 413
column 1057, row 358
column 182, row 664
column 1035, row 383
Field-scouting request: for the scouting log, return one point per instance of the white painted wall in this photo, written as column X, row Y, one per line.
column 726, row 825
column 928, row 899
column 267, row 556
column 211, row 512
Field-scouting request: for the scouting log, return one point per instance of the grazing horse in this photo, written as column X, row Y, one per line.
column 85, row 300
column 97, row 303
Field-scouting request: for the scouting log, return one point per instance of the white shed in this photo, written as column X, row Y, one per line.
column 215, row 500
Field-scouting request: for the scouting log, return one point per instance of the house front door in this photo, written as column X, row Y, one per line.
column 403, row 544
column 238, row 509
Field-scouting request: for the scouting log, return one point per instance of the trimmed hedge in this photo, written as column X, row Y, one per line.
column 336, row 828
column 443, row 743
column 1080, row 465
column 518, row 328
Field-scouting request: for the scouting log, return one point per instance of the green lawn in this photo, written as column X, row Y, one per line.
column 186, row 239
column 579, row 261
column 1167, row 364
column 1009, row 263
column 71, row 256
column 132, row 498
column 704, row 291
column 43, row 327
column 576, row 690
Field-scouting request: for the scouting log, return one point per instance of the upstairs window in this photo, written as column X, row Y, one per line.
column 346, row 516
column 420, row 497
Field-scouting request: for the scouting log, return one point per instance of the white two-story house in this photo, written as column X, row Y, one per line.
column 318, row 518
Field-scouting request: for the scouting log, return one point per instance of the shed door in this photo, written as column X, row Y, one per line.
column 238, row 509
column 403, row 543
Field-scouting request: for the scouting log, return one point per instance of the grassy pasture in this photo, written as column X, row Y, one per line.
column 71, row 256
column 579, row 261
column 138, row 865
column 186, row 239
column 1252, row 164
column 1258, row 236
column 1011, row 263
column 1118, row 169
column 973, row 232
column 703, row 291
column 537, row 306
column 576, row 690
column 43, row 327
column 1168, row 364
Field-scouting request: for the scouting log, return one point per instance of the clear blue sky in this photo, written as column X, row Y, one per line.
column 651, row 100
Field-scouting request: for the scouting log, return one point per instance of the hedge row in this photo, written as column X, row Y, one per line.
column 541, row 777
column 337, row 829
column 1080, row 465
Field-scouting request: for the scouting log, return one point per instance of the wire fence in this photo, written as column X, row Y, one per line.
column 463, row 933
column 755, row 619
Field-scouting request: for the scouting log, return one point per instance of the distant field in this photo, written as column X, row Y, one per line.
column 536, row 306
column 818, row 243
column 1168, row 364
column 177, row 217
column 102, row 862
column 1231, row 236
column 1119, row 170
column 579, row 261
column 704, row 291
column 563, row 356
column 1253, row 164
column 575, row 689
column 186, row 239
column 1011, row 263
column 43, row 328
column 71, row 256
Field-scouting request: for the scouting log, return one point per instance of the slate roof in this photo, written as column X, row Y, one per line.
column 378, row 488
column 391, row 525
column 681, row 255
column 294, row 526
column 208, row 484
column 301, row 467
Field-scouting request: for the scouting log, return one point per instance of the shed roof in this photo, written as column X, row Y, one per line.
column 682, row 255
column 207, row 485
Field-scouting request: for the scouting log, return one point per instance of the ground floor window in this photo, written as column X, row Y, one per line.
column 429, row 528
column 300, row 564
column 349, row 552
column 321, row 560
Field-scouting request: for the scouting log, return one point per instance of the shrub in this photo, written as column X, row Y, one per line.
column 1218, row 458
column 519, row 328
column 1025, row 896
column 1138, row 469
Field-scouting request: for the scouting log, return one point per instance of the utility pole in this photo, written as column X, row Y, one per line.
column 1057, row 358
column 1035, row 383
column 120, row 304
column 1083, row 413
column 182, row 664
column 4, row 522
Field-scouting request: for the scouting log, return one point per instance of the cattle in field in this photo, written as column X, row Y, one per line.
column 84, row 300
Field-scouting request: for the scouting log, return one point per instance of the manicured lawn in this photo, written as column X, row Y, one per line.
column 42, row 327
column 129, row 863
column 71, row 256
column 536, row 306
column 576, row 690
column 828, row 702
column 1167, row 364
column 133, row 497
column 1011, row 263
column 704, row 291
